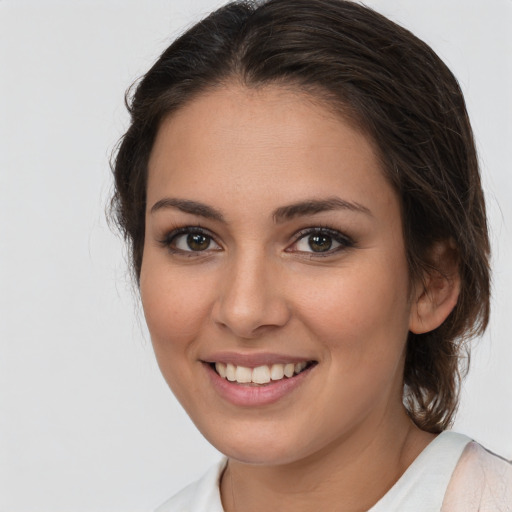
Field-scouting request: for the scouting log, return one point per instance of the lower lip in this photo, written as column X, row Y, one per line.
column 254, row 396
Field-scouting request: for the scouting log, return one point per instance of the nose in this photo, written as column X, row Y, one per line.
column 251, row 299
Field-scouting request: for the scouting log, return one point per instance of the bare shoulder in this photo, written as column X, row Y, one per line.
column 482, row 481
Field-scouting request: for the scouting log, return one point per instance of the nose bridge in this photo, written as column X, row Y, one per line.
column 250, row 300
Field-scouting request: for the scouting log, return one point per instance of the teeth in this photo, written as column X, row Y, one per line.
column 230, row 372
column 259, row 375
column 277, row 372
column 289, row 369
column 243, row 374
column 299, row 367
column 221, row 369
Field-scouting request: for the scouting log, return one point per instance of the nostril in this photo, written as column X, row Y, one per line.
column 251, row 322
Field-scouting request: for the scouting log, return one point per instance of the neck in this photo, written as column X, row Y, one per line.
column 349, row 475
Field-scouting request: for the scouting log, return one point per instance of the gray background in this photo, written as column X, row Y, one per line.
column 86, row 421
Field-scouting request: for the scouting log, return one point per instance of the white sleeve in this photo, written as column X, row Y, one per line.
column 481, row 482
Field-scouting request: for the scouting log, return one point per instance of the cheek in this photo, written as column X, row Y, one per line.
column 362, row 323
column 361, row 314
column 175, row 306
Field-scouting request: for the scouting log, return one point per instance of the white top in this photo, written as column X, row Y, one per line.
column 452, row 474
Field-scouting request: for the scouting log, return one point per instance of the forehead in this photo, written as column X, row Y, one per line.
column 234, row 142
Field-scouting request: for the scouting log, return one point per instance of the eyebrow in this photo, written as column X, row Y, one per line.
column 281, row 214
column 187, row 206
column 312, row 206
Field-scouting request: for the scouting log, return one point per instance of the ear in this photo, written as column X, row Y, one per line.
column 436, row 294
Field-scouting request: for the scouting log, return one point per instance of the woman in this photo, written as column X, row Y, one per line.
column 300, row 190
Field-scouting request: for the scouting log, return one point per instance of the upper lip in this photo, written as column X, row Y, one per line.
column 253, row 360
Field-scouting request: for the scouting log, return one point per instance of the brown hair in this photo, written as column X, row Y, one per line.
column 398, row 92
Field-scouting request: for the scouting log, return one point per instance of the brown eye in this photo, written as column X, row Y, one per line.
column 319, row 243
column 198, row 241
column 190, row 240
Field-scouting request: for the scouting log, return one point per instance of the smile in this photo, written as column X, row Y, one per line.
column 257, row 380
column 261, row 374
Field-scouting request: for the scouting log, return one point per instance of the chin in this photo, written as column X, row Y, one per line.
column 258, row 446
column 276, row 443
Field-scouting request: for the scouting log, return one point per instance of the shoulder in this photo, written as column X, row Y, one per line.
column 481, row 481
column 200, row 496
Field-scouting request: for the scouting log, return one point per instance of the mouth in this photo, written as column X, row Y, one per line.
column 263, row 375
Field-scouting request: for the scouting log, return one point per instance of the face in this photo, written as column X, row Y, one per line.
column 274, row 279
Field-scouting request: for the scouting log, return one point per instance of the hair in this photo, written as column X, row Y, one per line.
column 398, row 92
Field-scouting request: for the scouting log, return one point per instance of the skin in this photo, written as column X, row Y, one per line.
column 342, row 438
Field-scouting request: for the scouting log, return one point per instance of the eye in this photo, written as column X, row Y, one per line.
column 321, row 240
column 190, row 239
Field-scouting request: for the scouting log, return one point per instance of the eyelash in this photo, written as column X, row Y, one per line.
column 343, row 240
column 171, row 237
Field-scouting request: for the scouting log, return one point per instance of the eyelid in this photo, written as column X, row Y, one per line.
column 344, row 240
column 173, row 234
